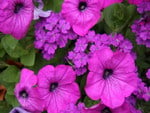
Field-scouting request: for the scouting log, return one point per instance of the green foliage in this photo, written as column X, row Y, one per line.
column 5, row 107
column 54, row 5
column 118, row 17
column 29, row 59
column 88, row 102
column 11, row 75
column 12, row 47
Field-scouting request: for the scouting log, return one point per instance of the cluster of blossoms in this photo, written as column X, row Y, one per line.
column 112, row 76
column 86, row 45
column 143, row 91
column 141, row 27
column 52, row 32
column 54, row 88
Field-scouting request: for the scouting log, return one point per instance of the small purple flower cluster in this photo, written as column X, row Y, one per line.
column 88, row 44
column 142, row 91
column 52, row 32
column 142, row 27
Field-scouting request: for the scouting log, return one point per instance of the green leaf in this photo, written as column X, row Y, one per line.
column 29, row 59
column 10, row 41
column 54, row 5
column 5, row 107
column 115, row 16
column 10, row 89
column 11, row 74
column 2, row 52
column 88, row 102
column 11, row 99
column 12, row 47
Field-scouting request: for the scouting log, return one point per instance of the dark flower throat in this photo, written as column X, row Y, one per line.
column 18, row 7
column 106, row 110
column 16, row 111
column 107, row 73
column 53, row 86
column 23, row 94
column 82, row 6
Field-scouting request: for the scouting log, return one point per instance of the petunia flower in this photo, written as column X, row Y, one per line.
column 112, row 77
column 18, row 110
column 15, row 17
column 38, row 11
column 57, row 87
column 26, row 92
column 82, row 14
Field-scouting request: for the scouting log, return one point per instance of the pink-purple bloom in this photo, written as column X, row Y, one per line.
column 110, row 71
column 15, row 17
column 26, row 91
column 81, row 14
column 84, row 14
column 57, row 87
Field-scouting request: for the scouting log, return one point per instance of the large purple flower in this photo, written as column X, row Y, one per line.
column 57, row 87
column 26, row 92
column 15, row 17
column 112, row 77
column 82, row 14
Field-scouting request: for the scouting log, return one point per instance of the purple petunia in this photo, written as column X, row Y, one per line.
column 26, row 92
column 15, row 17
column 57, row 87
column 110, row 71
column 84, row 14
column 81, row 14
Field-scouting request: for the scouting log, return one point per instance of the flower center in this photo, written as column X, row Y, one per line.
column 18, row 7
column 23, row 94
column 53, row 86
column 16, row 111
column 82, row 6
column 107, row 73
column 106, row 110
